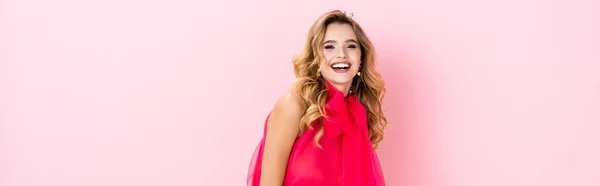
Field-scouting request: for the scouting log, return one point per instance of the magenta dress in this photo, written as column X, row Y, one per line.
column 347, row 157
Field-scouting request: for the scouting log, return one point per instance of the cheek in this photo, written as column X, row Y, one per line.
column 356, row 56
column 323, row 64
column 328, row 55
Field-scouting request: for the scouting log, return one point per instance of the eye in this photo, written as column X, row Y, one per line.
column 328, row 47
column 351, row 46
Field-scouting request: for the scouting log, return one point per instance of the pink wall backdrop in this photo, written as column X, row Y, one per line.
column 162, row 93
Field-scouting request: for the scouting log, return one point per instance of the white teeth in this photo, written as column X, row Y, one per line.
column 341, row 65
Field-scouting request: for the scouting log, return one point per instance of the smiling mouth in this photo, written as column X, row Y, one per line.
column 341, row 65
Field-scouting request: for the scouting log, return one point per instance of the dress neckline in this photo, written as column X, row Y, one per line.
column 332, row 91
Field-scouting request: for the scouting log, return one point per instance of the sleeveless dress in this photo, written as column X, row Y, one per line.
column 346, row 158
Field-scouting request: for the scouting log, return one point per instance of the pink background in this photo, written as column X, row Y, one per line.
column 131, row 92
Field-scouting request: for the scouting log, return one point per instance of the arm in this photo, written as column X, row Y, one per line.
column 282, row 130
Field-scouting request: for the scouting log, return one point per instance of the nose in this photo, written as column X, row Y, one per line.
column 342, row 54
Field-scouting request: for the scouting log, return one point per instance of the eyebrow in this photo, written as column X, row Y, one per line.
column 333, row 41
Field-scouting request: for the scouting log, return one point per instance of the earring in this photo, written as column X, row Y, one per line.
column 358, row 73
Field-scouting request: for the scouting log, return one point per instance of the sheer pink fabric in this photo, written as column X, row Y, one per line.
column 347, row 157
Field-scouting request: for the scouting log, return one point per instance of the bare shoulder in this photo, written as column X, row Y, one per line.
column 286, row 115
column 289, row 104
column 282, row 130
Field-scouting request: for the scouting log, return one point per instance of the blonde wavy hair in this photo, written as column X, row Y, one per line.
column 369, row 87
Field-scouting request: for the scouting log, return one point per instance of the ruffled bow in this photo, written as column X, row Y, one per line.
column 346, row 118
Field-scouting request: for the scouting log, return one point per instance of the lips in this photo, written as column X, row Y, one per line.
column 341, row 67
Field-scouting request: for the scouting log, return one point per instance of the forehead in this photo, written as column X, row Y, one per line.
column 339, row 31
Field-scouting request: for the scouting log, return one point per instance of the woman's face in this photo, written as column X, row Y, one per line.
column 343, row 54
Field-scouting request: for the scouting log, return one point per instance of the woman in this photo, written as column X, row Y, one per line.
column 324, row 130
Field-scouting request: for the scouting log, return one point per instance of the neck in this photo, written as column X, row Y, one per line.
column 344, row 88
